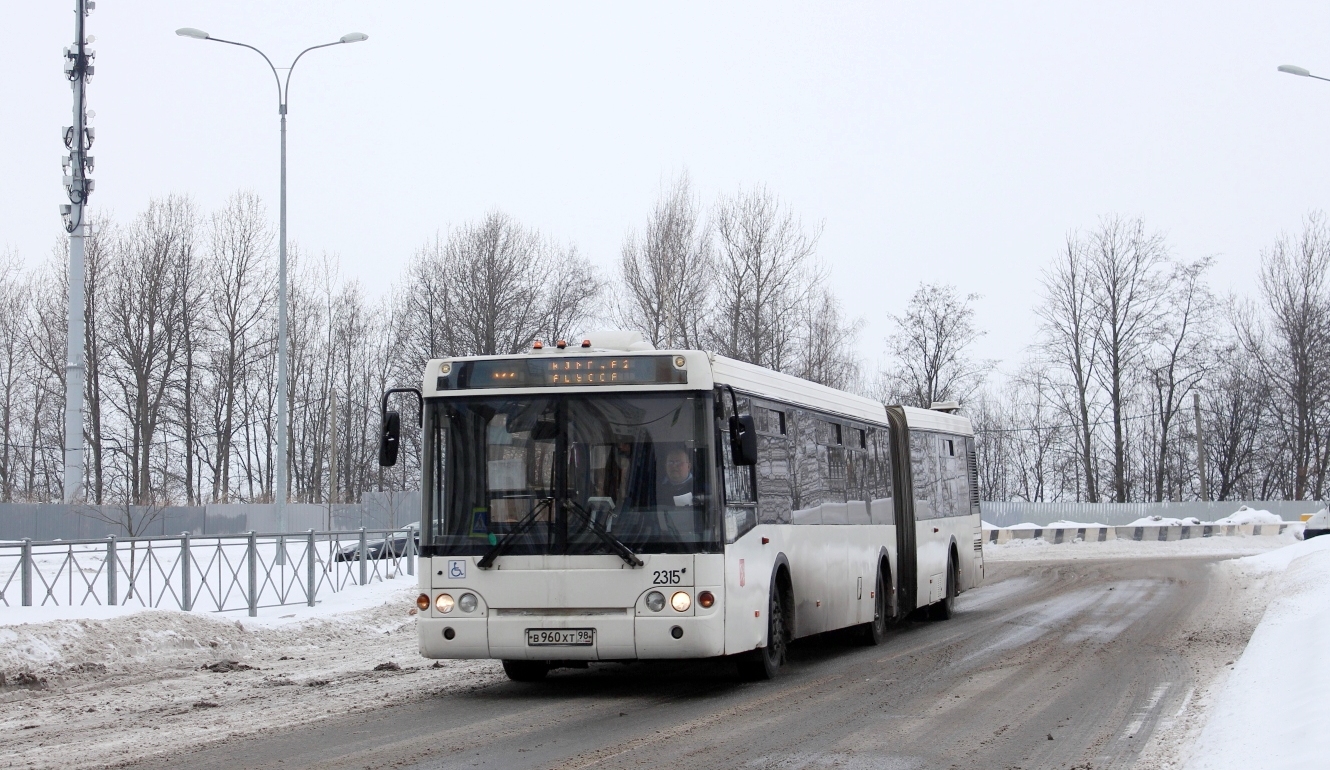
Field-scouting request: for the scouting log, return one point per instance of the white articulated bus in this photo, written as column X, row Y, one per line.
column 613, row 502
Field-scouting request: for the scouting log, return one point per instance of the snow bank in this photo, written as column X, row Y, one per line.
column 1271, row 710
column 1166, row 521
column 1064, row 524
column 92, row 693
column 1245, row 515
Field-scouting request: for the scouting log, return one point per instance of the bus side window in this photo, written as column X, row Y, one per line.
column 880, row 445
column 774, row 485
column 831, row 461
column 740, row 504
column 809, row 487
column 923, row 467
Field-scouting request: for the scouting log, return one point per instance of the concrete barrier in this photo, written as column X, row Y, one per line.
column 1154, row 532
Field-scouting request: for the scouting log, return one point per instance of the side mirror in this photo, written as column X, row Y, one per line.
column 743, row 440
column 389, row 437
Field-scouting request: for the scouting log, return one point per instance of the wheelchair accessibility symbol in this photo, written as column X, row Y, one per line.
column 456, row 569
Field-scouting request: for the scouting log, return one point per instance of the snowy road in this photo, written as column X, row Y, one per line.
column 1064, row 663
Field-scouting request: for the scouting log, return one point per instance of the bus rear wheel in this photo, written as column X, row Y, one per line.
column 526, row 670
column 875, row 632
column 944, row 609
column 765, row 662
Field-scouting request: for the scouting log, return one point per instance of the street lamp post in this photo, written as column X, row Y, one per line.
column 283, row 90
column 1301, row 72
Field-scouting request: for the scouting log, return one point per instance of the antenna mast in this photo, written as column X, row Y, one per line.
column 78, row 140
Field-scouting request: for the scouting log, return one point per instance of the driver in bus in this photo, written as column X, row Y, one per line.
column 678, row 483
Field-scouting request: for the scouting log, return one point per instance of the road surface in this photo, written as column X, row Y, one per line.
column 1050, row 665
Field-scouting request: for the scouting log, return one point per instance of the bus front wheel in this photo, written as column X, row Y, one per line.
column 765, row 662
column 526, row 670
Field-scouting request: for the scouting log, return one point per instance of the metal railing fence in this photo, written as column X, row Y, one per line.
column 215, row 573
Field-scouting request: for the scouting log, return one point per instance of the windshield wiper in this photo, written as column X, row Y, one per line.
column 507, row 540
column 623, row 551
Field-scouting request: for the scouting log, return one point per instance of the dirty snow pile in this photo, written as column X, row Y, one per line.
column 1272, row 709
column 133, row 684
column 1167, row 521
column 1245, row 515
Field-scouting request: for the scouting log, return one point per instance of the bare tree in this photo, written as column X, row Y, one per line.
column 1180, row 357
column 424, row 308
column 930, row 349
column 1237, row 396
column 15, row 370
column 1293, row 352
column 570, row 295
column 147, row 299
column 495, row 271
column 1127, row 296
column 827, row 343
column 765, row 271
column 242, row 287
column 47, row 348
column 1069, row 343
column 665, row 272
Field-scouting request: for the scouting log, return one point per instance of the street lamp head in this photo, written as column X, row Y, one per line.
column 1294, row 70
column 197, row 34
column 354, row 37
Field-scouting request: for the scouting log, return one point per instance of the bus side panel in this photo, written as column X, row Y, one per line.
column 748, row 567
column 811, row 549
column 834, row 570
column 864, row 548
column 931, row 540
column 839, row 603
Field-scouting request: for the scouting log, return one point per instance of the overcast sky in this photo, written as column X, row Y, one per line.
column 935, row 142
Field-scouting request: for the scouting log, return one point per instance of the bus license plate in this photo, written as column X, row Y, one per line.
column 560, row 637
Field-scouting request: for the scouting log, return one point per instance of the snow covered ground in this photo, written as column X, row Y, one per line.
column 131, row 684
column 1272, row 708
column 93, row 686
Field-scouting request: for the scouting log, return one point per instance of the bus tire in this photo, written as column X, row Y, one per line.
column 944, row 609
column 765, row 662
column 526, row 670
column 875, row 631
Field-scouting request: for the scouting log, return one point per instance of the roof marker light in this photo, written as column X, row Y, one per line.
column 537, row 345
column 586, row 343
column 562, row 344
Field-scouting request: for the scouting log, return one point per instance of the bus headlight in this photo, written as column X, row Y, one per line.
column 444, row 603
column 705, row 599
column 467, row 603
column 681, row 601
column 422, row 602
column 655, row 601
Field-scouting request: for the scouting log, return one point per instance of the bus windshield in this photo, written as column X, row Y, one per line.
column 570, row 474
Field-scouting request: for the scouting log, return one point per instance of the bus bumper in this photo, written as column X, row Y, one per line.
column 616, row 637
